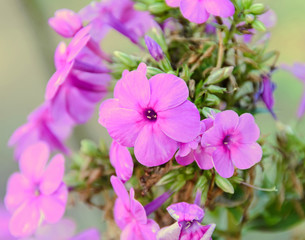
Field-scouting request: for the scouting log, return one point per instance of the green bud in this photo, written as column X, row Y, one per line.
column 152, row 71
column 216, row 89
column 179, row 183
column 202, row 182
column 250, row 18
column 140, row 6
column 158, row 7
column 247, row 3
column 258, row 25
column 218, row 75
column 165, row 65
column 160, row 39
column 208, row 112
column 212, row 100
column 125, row 59
column 224, row 184
column 168, row 178
column 257, row 8
column 89, row 148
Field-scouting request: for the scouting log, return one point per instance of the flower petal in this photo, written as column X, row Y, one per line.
column 203, row 157
column 92, row 234
column 247, row 130
column 185, row 212
column 137, row 209
column 194, row 11
column 120, row 190
column 53, row 206
column 33, row 161
column 167, row 91
column 123, row 124
column 171, row 232
column 245, row 156
column 25, row 220
column 133, row 89
column 53, row 175
column 121, row 160
column 227, row 121
column 197, row 231
column 222, row 162
column 173, row 3
column 222, row 8
column 181, row 123
column 153, row 147
column 185, row 160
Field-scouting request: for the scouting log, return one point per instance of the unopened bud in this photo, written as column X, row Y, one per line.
column 125, row 59
column 212, row 100
column 258, row 25
column 154, row 48
column 158, row 7
column 224, row 184
column 219, row 75
column 247, row 3
column 257, row 8
column 250, row 18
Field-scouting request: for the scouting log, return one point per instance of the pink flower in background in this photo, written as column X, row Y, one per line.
column 42, row 126
column 298, row 70
column 121, row 160
column 187, row 227
column 234, row 139
column 130, row 215
column 150, row 115
column 198, row 11
column 4, row 224
column 37, row 193
column 64, row 229
column 188, row 152
column 66, row 23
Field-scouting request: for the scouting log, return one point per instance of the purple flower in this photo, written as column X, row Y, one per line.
column 194, row 150
column 66, row 23
column 150, row 115
column 265, row 92
column 37, row 193
column 42, row 126
column 298, row 70
column 154, row 48
column 119, row 15
column 4, row 224
column 121, row 160
column 198, row 11
column 130, row 215
column 187, row 227
column 234, row 140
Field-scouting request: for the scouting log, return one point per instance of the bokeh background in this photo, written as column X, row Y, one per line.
column 26, row 63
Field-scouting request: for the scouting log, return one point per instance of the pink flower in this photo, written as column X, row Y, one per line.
column 298, row 70
column 234, row 140
column 42, row 126
column 66, row 23
column 37, row 193
column 150, row 115
column 4, row 224
column 187, row 227
column 121, row 160
column 188, row 152
column 64, row 229
column 198, row 11
column 130, row 215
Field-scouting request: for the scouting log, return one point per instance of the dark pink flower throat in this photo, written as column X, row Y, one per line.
column 150, row 114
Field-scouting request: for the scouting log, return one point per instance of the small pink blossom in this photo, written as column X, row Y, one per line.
column 234, row 140
column 130, row 215
column 66, row 23
column 36, row 193
column 198, row 11
column 150, row 115
column 121, row 160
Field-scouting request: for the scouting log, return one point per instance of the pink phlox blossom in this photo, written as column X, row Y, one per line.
column 121, row 160
column 4, row 224
column 195, row 151
column 150, row 115
column 37, row 193
column 130, row 215
column 42, row 126
column 198, row 11
column 234, row 140
column 188, row 225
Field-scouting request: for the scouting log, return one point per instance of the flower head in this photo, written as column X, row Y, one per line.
column 36, row 193
column 234, row 141
column 130, row 215
column 151, row 116
column 198, row 11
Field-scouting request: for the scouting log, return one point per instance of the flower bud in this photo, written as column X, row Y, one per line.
column 140, row 6
column 89, row 148
column 152, row 71
column 66, row 23
column 250, row 18
column 127, row 60
column 219, row 75
column 257, row 8
column 212, row 100
column 247, row 3
column 158, row 7
column 224, row 184
column 258, row 25
column 154, row 48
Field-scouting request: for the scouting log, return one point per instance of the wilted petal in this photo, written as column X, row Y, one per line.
column 33, row 161
column 185, row 212
column 222, row 8
column 194, row 11
column 153, row 147
column 245, row 156
column 167, row 91
column 171, row 232
column 222, row 162
column 181, row 123
column 53, row 175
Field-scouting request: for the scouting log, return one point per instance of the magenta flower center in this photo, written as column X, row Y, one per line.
column 150, row 114
column 227, row 139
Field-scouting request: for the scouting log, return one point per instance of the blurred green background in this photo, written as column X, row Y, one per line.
column 27, row 45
